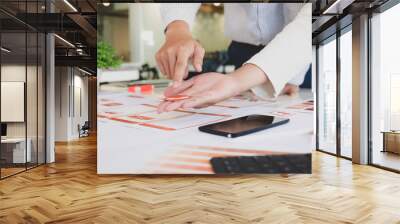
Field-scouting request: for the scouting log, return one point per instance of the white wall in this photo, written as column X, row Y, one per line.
column 62, row 81
column 12, row 73
column 33, row 126
column 13, row 101
column 314, row 69
column 152, row 33
column 116, row 31
column 80, row 109
column 70, row 83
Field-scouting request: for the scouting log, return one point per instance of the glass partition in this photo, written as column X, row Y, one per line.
column 41, row 97
column 22, row 88
column 31, row 98
column 346, row 93
column 13, row 95
column 327, row 96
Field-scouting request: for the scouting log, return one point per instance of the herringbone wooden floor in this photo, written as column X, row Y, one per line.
column 70, row 191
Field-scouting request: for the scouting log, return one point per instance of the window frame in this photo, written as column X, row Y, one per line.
column 334, row 37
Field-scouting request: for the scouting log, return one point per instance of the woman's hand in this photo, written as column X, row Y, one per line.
column 178, row 51
column 210, row 88
column 204, row 90
column 290, row 89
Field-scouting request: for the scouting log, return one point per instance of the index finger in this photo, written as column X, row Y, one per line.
column 181, row 63
column 172, row 91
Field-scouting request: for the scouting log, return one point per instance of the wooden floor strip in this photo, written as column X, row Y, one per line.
column 70, row 191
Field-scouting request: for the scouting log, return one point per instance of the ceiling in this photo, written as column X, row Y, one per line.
column 333, row 15
column 74, row 22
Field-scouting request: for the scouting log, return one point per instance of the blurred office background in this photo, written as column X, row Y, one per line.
column 136, row 32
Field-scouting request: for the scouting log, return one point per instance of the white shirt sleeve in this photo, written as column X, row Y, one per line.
column 286, row 56
column 299, row 77
column 179, row 11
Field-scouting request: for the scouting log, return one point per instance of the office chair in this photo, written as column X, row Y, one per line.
column 84, row 130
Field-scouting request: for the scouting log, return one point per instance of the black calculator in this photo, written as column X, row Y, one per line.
column 285, row 163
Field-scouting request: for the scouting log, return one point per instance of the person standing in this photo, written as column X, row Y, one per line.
column 270, row 48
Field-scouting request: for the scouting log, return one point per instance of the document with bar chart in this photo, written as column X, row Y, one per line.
column 133, row 138
column 133, row 110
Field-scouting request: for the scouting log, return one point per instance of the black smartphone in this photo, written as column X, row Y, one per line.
column 243, row 125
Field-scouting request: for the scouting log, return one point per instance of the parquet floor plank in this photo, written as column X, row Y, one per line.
column 70, row 191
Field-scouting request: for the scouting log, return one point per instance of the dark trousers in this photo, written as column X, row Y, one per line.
column 239, row 53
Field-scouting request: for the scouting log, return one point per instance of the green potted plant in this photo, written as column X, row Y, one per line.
column 110, row 67
column 106, row 57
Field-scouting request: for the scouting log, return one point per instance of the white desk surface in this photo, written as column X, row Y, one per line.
column 20, row 153
column 13, row 140
column 126, row 147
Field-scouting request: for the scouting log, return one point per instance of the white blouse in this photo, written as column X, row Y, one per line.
column 284, row 28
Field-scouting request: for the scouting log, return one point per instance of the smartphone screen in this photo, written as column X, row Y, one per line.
column 243, row 125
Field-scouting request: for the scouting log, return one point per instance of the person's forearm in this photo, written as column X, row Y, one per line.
column 248, row 76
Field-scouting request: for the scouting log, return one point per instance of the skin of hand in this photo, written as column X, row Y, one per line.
column 178, row 51
column 210, row 88
column 290, row 90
